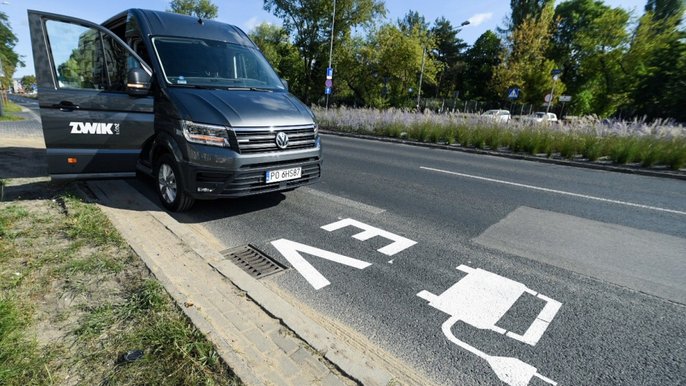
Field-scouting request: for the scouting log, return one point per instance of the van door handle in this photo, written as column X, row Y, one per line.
column 66, row 106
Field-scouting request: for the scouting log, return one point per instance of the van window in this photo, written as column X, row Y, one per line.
column 86, row 59
column 211, row 63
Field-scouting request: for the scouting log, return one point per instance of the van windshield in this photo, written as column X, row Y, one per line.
column 212, row 63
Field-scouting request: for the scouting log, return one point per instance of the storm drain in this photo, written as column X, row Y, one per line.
column 253, row 261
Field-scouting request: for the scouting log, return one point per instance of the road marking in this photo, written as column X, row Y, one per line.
column 291, row 251
column 480, row 299
column 342, row 200
column 557, row 191
column 399, row 243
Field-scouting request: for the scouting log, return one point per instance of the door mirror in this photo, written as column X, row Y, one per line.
column 137, row 82
column 285, row 83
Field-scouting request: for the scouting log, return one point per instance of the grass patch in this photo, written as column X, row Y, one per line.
column 88, row 301
column 8, row 110
column 21, row 360
column 87, row 222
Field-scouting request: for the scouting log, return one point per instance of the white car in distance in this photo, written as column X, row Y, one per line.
column 497, row 115
column 540, row 117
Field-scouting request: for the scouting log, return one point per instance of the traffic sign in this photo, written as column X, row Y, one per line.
column 329, row 73
column 513, row 93
column 556, row 71
column 565, row 98
column 328, row 83
column 327, row 90
column 548, row 98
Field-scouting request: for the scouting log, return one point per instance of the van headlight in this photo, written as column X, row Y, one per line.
column 205, row 134
column 316, row 131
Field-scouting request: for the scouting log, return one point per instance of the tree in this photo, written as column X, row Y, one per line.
column 391, row 62
column 411, row 21
column 523, row 9
column 27, row 82
column 309, row 22
column 9, row 58
column 589, row 42
column 665, row 9
column 526, row 64
column 203, row 9
column 656, row 60
column 482, row 59
column 448, row 53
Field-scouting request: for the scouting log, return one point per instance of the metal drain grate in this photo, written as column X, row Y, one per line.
column 253, row 261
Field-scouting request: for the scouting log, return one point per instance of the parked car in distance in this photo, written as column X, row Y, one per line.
column 540, row 117
column 497, row 115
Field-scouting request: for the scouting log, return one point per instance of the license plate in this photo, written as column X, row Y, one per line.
column 283, row 175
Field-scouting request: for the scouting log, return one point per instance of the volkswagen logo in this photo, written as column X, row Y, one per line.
column 281, row 140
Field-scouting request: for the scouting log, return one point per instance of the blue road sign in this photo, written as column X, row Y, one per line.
column 327, row 90
column 329, row 73
column 556, row 71
column 513, row 93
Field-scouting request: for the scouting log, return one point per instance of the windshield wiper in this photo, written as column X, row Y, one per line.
column 236, row 88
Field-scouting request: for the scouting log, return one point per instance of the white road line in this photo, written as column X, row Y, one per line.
column 557, row 191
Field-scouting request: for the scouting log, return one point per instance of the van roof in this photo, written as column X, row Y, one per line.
column 158, row 23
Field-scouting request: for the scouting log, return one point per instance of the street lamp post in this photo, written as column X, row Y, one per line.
column 333, row 21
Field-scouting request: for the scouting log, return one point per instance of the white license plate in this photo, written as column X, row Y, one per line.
column 283, row 174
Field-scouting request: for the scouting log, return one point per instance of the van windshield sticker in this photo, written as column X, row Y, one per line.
column 181, row 80
column 94, row 128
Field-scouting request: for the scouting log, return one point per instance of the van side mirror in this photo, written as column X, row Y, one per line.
column 137, row 82
column 285, row 83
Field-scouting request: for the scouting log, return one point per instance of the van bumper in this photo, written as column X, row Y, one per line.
column 223, row 173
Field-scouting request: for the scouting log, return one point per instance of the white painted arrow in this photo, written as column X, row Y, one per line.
column 291, row 251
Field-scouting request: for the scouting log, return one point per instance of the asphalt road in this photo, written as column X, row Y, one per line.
column 575, row 274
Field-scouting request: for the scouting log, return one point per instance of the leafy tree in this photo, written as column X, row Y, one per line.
column 275, row 45
column 482, row 59
column 448, row 53
column 657, row 59
column 411, row 21
column 523, row 9
column 203, row 9
column 396, row 60
column 665, row 9
column 526, row 64
column 9, row 58
column 309, row 22
column 27, row 81
column 589, row 42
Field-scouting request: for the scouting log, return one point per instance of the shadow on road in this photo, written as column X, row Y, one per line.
column 22, row 162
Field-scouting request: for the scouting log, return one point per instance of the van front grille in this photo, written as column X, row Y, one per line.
column 263, row 139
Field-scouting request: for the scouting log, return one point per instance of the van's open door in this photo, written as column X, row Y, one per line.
column 92, row 126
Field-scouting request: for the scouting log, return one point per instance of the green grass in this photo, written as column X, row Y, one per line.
column 70, row 250
column 21, row 361
column 8, row 110
column 87, row 222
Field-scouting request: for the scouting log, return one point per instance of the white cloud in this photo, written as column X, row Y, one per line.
column 479, row 18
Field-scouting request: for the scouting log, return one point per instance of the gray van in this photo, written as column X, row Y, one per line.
column 191, row 102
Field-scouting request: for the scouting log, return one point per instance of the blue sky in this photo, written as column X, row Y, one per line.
column 483, row 15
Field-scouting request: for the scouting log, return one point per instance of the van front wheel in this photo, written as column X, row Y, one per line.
column 169, row 186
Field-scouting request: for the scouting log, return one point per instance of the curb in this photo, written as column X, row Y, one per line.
column 524, row 157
